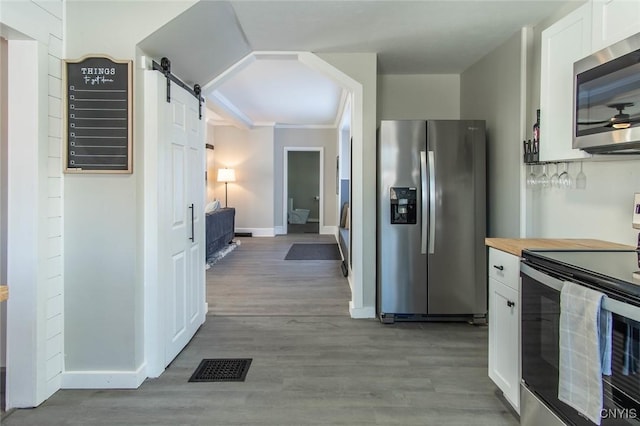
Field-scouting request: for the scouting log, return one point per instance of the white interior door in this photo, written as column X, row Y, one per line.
column 174, row 222
column 184, row 151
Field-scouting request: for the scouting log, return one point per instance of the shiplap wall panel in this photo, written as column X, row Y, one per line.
column 54, row 261
column 55, row 66
column 55, row 107
column 53, row 7
column 54, row 306
column 54, row 325
column 55, row 126
column 53, row 368
column 54, row 247
column 54, row 346
column 55, row 87
column 55, row 207
column 55, row 147
column 54, row 168
column 55, row 46
column 54, row 228
column 55, row 189
column 54, row 282
column 53, row 271
column 42, row 21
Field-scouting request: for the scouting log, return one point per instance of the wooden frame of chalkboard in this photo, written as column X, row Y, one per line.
column 97, row 115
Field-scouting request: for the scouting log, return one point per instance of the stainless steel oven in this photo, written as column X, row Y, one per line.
column 543, row 275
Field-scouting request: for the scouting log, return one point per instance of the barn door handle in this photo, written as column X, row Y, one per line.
column 192, row 238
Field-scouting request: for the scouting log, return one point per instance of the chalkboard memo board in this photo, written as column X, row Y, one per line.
column 97, row 115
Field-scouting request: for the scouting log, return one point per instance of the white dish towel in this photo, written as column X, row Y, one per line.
column 585, row 347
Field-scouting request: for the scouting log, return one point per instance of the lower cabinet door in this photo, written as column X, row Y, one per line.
column 504, row 340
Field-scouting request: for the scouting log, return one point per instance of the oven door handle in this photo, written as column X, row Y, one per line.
column 614, row 306
column 542, row 278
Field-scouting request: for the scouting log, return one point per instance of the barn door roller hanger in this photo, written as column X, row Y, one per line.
column 165, row 68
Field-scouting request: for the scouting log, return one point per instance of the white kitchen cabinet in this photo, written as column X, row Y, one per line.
column 563, row 43
column 504, row 324
column 613, row 21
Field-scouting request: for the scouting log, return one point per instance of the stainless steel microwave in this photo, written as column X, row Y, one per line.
column 606, row 107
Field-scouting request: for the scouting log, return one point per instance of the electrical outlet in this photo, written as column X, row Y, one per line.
column 636, row 211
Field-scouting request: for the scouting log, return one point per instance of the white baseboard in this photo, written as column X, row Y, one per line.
column 259, row 232
column 364, row 312
column 329, row 230
column 325, row 230
column 104, row 379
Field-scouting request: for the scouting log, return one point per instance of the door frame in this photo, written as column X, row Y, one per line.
column 285, row 183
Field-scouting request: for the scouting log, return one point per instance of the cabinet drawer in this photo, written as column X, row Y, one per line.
column 504, row 267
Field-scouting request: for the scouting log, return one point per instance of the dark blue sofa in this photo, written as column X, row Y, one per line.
column 220, row 227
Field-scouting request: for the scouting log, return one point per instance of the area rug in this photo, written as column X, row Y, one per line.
column 215, row 257
column 313, row 252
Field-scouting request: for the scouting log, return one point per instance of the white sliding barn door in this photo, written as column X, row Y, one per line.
column 180, row 292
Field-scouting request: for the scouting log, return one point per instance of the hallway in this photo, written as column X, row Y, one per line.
column 312, row 364
column 254, row 279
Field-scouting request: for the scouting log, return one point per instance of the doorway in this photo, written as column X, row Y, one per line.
column 303, row 189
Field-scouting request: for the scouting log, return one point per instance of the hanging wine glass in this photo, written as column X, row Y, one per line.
column 543, row 179
column 581, row 179
column 564, row 179
column 531, row 177
column 554, row 180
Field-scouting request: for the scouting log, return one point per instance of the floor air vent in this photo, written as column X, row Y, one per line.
column 222, row 370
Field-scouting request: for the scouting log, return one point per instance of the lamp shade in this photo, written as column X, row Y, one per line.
column 226, row 175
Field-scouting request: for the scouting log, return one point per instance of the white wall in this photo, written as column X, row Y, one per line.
column 491, row 91
column 326, row 138
column 362, row 67
column 601, row 211
column 34, row 216
column 407, row 97
column 250, row 153
column 104, row 213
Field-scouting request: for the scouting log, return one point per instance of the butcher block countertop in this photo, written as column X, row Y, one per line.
column 4, row 293
column 516, row 245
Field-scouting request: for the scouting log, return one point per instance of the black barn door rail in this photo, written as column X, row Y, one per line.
column 165, row 68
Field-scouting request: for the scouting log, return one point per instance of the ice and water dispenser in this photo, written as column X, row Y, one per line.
column 403, row 205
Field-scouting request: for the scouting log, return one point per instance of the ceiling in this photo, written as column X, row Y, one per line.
column 409, row 37
column 276, row 89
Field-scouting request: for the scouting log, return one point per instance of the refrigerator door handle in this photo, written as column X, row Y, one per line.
column 423, row 190
column 432, row 202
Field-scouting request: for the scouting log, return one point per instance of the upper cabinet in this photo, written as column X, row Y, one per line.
column 612, row 21
column 563, row 43
column 593, row 26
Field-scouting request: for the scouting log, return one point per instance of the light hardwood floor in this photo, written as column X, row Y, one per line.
column 254, row 279
column 311, row 365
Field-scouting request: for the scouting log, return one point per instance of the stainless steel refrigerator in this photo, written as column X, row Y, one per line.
column 431, row 220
